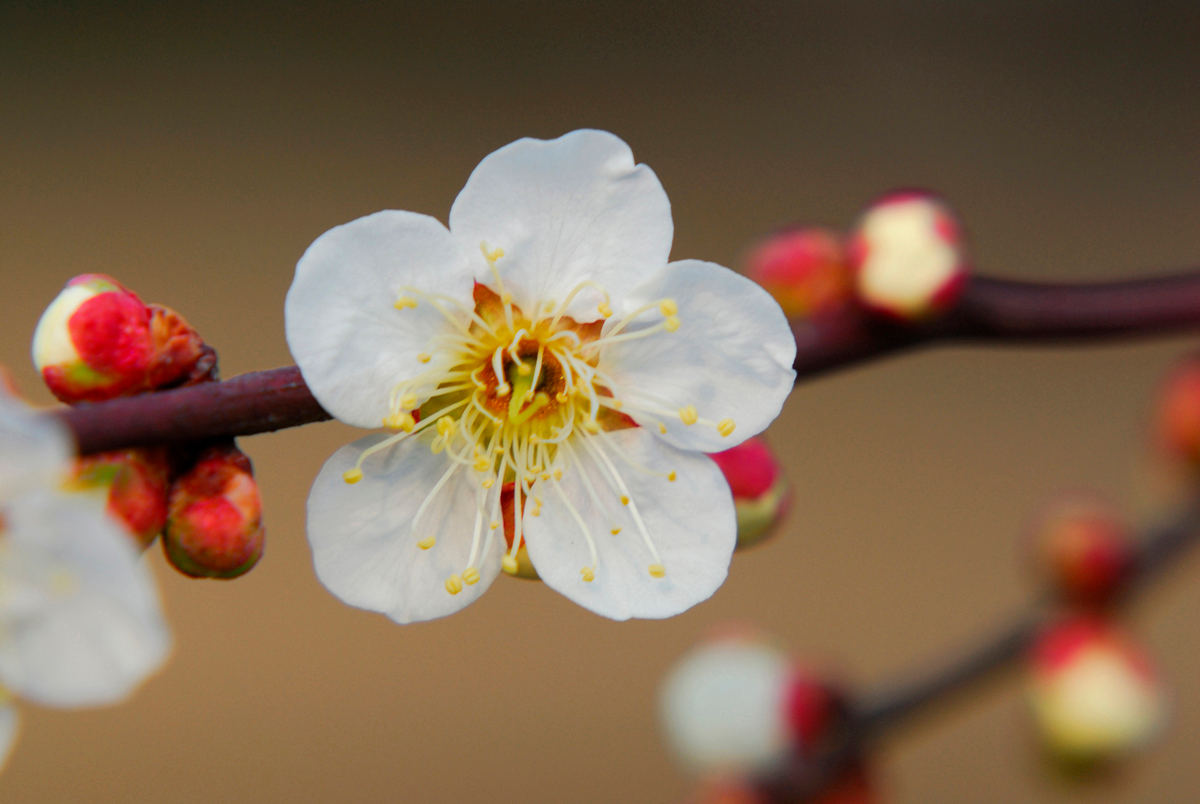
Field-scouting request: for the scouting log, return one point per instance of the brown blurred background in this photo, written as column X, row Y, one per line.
column 194, row 154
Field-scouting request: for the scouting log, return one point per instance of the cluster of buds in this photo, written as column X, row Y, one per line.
column 97, row 341
column 904, row 261
column 739, row 712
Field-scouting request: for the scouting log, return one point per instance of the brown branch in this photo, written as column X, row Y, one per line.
column 990, row 310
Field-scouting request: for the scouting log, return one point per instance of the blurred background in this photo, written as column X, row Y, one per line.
column 194, row 153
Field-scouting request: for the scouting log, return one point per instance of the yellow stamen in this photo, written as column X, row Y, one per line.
column 604, row 309
column 624, row 499
column 470, row 576
column 352, row 475
column 671, row 476
column 426, row 543
column 445, row 427
column 401, row 420
column 509, row 564
column 615, row 531
column 725, row 427
column 688, row 414
column 405, row 301
column 588, row 574
column 668, row 307
column 658, row 570
column 494, row 524
column 671, row 324
column 424, row 358
column 454, row 584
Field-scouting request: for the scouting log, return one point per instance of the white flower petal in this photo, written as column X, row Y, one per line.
column 352, row 345
column 34, row 448
column 79, row 614
column 564, row 211
column 363, row 548
column 690, row 522
column 9, row 726
column 730, row 358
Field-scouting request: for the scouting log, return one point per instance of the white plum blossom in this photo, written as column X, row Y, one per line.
column 540, row 356
column 80, row 620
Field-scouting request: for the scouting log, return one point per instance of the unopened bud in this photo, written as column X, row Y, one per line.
column 805, row 271
column 1083, row 548
column 97, row 340
column 135, row 484
column 738, row 705
column 1094, row 693
column 214, row 526
column 761, row 494
column 1178, row 415
column 907, row 255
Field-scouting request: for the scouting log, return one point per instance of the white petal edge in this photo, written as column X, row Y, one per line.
column 10, row 725
column 79, row 613
column 351, row 343
column 690, row 521
column 730, row 358
column 564, row 211
column 34, row 448
column 364, row 550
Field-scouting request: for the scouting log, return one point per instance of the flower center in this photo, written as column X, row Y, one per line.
column 519, row 397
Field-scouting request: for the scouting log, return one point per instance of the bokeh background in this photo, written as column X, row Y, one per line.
column 194, row 152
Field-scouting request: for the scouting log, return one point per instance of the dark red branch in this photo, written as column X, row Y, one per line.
column 990, row 310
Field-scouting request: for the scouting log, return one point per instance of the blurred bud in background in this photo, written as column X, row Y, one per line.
column 214, row 523
column 805, row 270
column 1094, row 694
column 1082, row 547
column 736, row 705
column 761, row 494
column 1178, row 413
column 97, row 340
column 134, row 482
column 907, row 256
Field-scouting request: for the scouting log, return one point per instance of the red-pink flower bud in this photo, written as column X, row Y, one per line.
column 908, row 256
column 805, row 270
column 97, row 340
column 1178, row 414
column 1083, row 548
column 214, row 525
column 1094, row 692
column 135, row 482
column 761, row 493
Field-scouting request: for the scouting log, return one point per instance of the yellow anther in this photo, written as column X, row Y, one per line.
column 494, row 524
column 408, row 401
column 604, row 309
column 491, row 255
column 502, row 389
column 482, row 464
column 445, row 427
column 352, row 475
column 658, row 570
column 616, row 404
column 470, row 576
column 671, row 324
column 662, row 428
column 427, row 542
column 561, row 397
column 524, row 369
column 509, row 564
column 404, row 301
column 488, row 482
column 671, row 476
column 588, row 574
column 615, row 531
column 624, row 499
column 558, row 474
column 725, row 427
column 401, row 420
column 688, row 414
column 536, row 512
column 545, row 476
column 424, row 358
column 668, row 307
column 454, row 584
